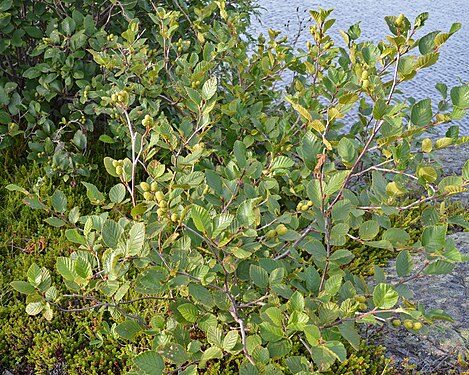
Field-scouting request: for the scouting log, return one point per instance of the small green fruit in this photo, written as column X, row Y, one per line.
column 159, row 196
column 154, row 186
column 271, row 233
column 364, row 75
column 408, row 324
column 145, row 186
column 309, row 203
column 366, row 84
column 396, row 322
column 174, row 217
column 148, row 196
column 281, row 230
column 163, row 204
column 362, row 306
column 119, row 170
column 361, row 299
column 417, row 326
column 304, row 207
column 160, row 212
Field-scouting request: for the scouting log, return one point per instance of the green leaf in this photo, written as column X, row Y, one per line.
column 341, row 257
column 300, row 109
column 404, row 263
column 189, row 311
column 59, row 201
column 297, row 364
column 150, row 362
column 297, row 302
column 202, row 295
column 175, row 353
column 51, row 293
column 136, row 239
column 380, row 109
column 117, row 193
column 34, row 275
column 214, row 181
column 385, row 296
column 109, row 167
column 428, row 173
column 66, row 267
column 230, row 340
column 297, row 321
column 259, row 276
column 346, row 150
column 75, row 237
column 209, row 88
column 421, row 112
column 460, row 96
column 55, row 221
column 275, row 316
column 350, row 333
column 13, row 187
column 247, row 368
column 338, row 234
column 323, row 357
column 106, row 139
column 465, row 171
column 214, row 336
column 128, row 329
column 440, row 267
column 34, row 308
column 246, row 214
column 427, row 43
column 239, row 150
column 83, row 268
column 434, row 238
column 34, row 203
column 427, row 145
column 94, row 195
column 333, row 284
column 68, row 25
column 335, row 182
column 276, row 276
column 281, row 162
column 210, row 353
column 313, row 334
column 201, row 218
column 79, row 139
column 23, row 287
column 270, row 332
column 381, row 244
column 427, row 60
column 111, row 233
column 310, row 147
column 368, row 230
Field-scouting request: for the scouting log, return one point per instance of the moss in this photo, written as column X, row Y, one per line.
column 30, row 344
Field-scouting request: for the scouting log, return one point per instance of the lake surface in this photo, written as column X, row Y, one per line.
column 452, row 67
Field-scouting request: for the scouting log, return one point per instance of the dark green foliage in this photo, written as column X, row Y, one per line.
column 47, row 72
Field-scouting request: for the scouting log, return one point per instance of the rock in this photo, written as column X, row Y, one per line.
column 437, row 349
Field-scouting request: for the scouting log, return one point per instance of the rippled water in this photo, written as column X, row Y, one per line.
column 453, row 65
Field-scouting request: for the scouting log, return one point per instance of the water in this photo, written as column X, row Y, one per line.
column 453, row 66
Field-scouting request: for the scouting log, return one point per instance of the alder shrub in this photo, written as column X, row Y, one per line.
column 235, row 199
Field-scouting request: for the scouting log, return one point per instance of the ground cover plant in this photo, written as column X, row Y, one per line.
column 225, row 237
